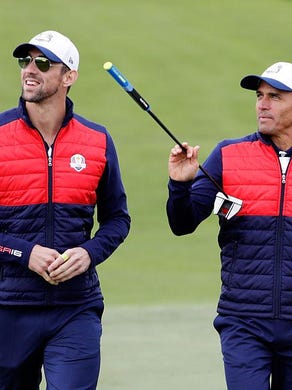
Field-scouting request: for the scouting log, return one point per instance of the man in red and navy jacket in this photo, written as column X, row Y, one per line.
column 56, row 167
column 255, row 306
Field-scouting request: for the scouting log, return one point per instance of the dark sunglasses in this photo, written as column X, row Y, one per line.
column 42, row 63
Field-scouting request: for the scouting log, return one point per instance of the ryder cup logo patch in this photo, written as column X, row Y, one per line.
column 78, row 162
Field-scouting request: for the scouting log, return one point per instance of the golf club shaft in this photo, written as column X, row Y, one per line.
column 184, row 149
column 157, row 120
column 128, row 87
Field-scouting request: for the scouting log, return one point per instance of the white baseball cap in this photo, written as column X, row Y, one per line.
column 55, row 46
column 278, row 75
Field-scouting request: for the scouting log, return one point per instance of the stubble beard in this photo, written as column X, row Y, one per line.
column 38, row 97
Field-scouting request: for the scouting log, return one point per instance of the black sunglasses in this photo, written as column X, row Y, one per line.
column 42, row 63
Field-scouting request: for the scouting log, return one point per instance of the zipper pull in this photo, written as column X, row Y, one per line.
column 284, row 161
column 50, row 156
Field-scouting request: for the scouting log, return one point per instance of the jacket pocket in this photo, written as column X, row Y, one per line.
column 233, row 263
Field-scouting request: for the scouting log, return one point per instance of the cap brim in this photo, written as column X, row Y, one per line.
column 22, row 51
column 253, row 81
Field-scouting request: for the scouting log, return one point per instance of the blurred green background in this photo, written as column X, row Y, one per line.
column 186, row 58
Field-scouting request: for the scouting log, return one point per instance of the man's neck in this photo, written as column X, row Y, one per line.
column 47, row 119
column 283, row 142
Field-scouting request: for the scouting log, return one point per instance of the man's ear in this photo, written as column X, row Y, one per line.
column 69, row 78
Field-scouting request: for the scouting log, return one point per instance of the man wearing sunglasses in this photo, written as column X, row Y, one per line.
column 55, row 168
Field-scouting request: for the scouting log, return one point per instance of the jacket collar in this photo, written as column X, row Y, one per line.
column 22, row 112
column 267, row 140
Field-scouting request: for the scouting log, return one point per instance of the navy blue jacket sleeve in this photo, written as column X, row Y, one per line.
column 189, row 203
column 15, row 249
column 112, row 213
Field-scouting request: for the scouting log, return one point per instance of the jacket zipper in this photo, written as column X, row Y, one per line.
column 49, row 220
column 49, row 227
column 278, row 262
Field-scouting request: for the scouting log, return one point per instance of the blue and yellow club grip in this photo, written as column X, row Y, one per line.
column 126, row 85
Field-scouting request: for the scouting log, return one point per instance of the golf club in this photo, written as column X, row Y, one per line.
column 226, row 205
column 128, row 87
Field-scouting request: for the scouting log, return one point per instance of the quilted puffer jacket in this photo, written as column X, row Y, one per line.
column 48, row 197
column 255, row 244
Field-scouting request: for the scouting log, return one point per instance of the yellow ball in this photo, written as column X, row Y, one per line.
column 64, row 256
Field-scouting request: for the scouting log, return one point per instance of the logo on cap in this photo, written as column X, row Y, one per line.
column 78, row 162
column 44, row 36
column 274, row 68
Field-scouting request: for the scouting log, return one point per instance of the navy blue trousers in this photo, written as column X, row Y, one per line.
column 65, row 341
column 257, row 352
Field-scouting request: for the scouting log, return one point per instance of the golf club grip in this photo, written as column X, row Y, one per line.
column 139, row 100
column 126, row 85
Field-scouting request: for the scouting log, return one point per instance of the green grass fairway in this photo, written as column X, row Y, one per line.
column 161, row 347
column 186, row 58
